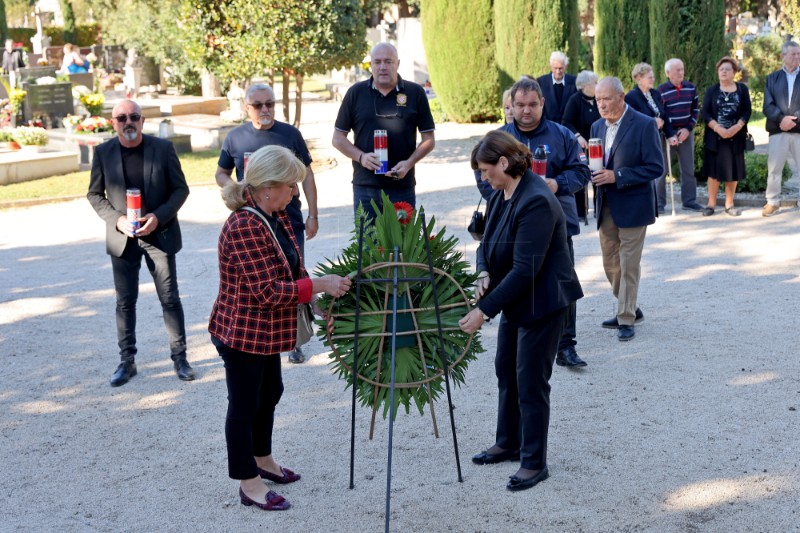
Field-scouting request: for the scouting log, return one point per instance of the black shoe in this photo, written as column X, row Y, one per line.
column 625, row 333
column 515, row 483
column 569, row 357
column 296, row 356
column 182, row 368
column 486, row 458
column 694, row 206
column 612, row 323
column 125, row 371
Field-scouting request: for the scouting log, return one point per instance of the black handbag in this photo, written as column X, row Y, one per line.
column 749, row 143
column 478, row 223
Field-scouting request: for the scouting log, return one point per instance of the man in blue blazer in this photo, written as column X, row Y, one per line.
column 626, row 201
column 136, row 161
column 557, row 87
column 782, row 109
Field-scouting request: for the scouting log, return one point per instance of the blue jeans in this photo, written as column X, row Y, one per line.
column 126, row 282
column 365, row 195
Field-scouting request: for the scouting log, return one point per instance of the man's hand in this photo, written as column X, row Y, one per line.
column 472, row 321
column 683, row 134
column 673, row 141
column 147, row 225
column 124, row 226
column 370, row 161
column 583, row 143
column 551, row 184
column 659, row 122
column 788, row 122
column 400, row 170
column 603, row 177
column 312, row 227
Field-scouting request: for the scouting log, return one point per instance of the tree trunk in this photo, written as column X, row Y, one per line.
column 271, row 78
column 210, row 85
column 286, row 79
column 298, row 99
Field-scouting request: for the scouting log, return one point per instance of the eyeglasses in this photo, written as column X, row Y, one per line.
column 258, row 105
column 122, row 119
column 395, row 115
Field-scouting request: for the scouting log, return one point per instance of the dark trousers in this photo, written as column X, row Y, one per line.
column 570, row 331
column 365, row 195
column 293, row 210
column 126, row 282
column 524, row 364
column 255, row 387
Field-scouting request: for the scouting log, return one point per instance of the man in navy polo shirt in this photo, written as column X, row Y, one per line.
column 567, row 173
column 384, row 102
column 264, row 130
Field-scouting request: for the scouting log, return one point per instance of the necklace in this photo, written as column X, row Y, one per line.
column 726, row 95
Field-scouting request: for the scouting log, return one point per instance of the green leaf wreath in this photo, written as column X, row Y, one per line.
column 418, row 370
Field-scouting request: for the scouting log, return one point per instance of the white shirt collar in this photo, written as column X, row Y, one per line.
column 558, row 82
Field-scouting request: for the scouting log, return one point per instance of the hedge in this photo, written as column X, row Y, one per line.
column 622, row 37
column 87, row 35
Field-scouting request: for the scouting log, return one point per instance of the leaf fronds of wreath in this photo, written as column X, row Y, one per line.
column 419, row 364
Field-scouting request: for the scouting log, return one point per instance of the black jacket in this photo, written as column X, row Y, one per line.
column 711, row 112
column 777, row 104
column 638, row 101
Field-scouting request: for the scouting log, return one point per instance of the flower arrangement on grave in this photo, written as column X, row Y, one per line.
column 6, row 135
column 42, row 62
column 30, row 136
column 45, row 80
column 93, row 102
column 71, row 120
column 419, row 365
column 93, row 125
column 16, row 97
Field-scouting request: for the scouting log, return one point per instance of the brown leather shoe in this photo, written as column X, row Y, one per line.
column 770, row 210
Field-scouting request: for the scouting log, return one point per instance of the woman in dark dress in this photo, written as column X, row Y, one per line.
column 579, row 115
column 726, row 110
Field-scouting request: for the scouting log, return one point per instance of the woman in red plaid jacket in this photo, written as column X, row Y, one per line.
column 261, row 282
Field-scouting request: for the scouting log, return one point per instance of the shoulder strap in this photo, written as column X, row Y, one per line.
column 269, row 227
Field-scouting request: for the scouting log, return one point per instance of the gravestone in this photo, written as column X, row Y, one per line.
column 151, row 73
column 53, row 101
column 114, row 57
column 29, row 73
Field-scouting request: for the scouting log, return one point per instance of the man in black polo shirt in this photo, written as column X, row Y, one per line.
column 264, row 130
column 384, row 102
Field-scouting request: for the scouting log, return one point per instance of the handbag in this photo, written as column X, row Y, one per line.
column 749, row 143
column 478, row 223
column 305, row 316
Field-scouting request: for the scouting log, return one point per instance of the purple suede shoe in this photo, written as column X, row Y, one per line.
column 274, row 501
column 287, row 477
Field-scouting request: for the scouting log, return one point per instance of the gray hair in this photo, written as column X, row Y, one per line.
column 526, row 85
column 787, row 45
column 669, row 63
column 268, row 166
column 584, row 78
column 615, row 83
column 254, row 89
column 639, row 69
column 559, row 56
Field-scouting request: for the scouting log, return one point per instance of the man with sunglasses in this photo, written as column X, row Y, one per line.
column 263, row 130
column 384, row 102
column 149, row 164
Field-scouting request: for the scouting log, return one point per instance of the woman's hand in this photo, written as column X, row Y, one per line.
column 331, row 284
column 659, row 122
column 482, row 285
column 472, row 321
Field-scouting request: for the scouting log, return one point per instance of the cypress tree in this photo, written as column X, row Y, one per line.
column 622, row 37
column 691, row 30
column 527, row 31
column 69, row 21
column 3, row 22
column 459, row 44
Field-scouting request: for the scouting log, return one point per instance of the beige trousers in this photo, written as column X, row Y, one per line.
column 781, row 146
column 622, row 256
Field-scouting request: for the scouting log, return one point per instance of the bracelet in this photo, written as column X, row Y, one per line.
column 312, row 216
column 359, row 158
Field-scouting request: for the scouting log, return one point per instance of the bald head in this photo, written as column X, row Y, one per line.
column 384, row 64
column 127, row 121
column 126, row 105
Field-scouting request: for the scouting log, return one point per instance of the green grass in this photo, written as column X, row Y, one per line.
column 757, row 118
column 199, row 168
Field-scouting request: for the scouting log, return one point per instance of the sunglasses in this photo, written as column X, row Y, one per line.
column 124, row 118
column 258, row 105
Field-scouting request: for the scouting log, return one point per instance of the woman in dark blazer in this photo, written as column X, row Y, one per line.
column 525, row 272
column 254, row 318
column 726, row 111
column 647, row 101
column 579, row 115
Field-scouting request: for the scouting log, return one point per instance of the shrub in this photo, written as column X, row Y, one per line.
column 755, row 172
column 6, row 135
column 85, row 35
column 762, row 56
column 459, row 45
column 22, row 35
column 527, row 31
column 438, row 113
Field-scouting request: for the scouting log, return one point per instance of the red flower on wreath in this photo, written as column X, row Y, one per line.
column 404, row 212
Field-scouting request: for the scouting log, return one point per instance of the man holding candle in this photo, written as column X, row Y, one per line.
column 384, row 102
column 149, row 164
column 566, row 173
column 626, row 201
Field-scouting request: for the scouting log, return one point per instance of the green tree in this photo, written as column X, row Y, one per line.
column 691, row 30
column 622, row 37
column 527, row 31
column 459, row 45
column 791, row 18
column 69, row 21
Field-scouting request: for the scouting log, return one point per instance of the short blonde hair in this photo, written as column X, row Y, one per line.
column 267, row 167
column 640, row 69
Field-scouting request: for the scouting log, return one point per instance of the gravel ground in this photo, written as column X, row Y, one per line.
column 692, row 426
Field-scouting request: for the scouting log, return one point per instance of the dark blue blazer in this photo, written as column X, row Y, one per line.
column 637, row 100
column 551, row 110
column 637, row 161
column 524, row 249
column 776, row 101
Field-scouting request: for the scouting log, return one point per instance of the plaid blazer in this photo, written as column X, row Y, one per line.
column 256, row 308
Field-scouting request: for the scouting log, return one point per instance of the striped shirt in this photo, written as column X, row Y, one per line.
column 682, row 105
